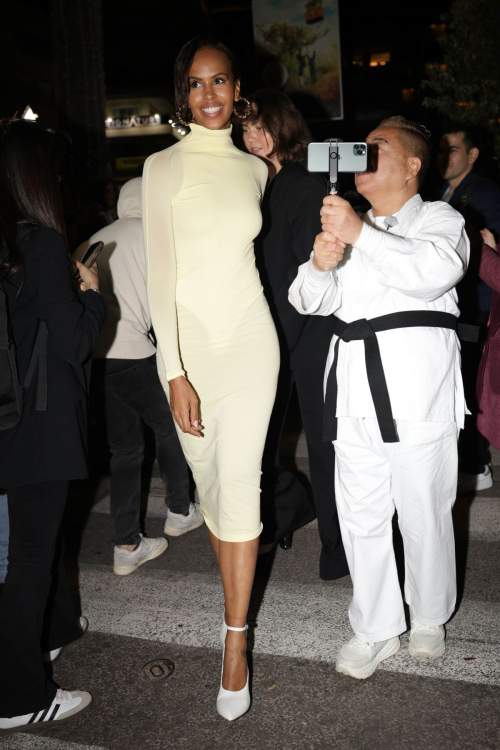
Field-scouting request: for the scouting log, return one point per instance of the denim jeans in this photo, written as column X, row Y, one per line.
column 132, row 394
column 4, row 536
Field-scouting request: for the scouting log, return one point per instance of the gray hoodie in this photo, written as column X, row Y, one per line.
column 122, row 281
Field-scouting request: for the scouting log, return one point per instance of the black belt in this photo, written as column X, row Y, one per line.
column 366, row 330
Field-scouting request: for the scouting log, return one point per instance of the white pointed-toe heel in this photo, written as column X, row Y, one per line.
column 231, row 704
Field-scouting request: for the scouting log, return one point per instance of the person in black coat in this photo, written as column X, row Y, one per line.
column 278, row 134
column 46, row 449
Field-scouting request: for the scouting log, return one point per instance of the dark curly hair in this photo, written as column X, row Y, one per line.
column 285, row 124
column 183, row 65
column 415, row 138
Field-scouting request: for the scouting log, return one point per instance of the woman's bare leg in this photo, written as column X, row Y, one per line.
column 237, row 562
column 214, row 541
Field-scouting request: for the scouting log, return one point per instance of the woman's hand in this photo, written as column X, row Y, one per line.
column 89, row 276
column 488, row 238
column 185, row 406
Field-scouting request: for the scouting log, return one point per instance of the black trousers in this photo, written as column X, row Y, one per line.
column 36, row 609
column 284, row 503
column 309, row 384
column 132, row 393
column 473, row 452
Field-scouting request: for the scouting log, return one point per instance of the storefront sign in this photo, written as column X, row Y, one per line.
column 134, row 121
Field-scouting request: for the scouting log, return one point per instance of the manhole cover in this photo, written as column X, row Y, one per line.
column 157, row 670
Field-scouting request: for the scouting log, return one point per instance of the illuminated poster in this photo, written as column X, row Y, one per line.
column 298, row 49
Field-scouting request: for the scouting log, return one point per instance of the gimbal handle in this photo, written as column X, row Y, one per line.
column 334, row 163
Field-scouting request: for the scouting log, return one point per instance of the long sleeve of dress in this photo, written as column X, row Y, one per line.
column 158, row 180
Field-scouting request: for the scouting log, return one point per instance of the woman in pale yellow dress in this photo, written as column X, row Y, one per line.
column 217, row 345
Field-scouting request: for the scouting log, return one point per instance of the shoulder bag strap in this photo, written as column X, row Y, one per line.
column 39, row 357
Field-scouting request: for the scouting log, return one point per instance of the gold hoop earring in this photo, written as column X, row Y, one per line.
column 178, row 116
column 246, row 111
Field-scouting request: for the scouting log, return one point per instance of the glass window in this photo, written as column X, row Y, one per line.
column 379, row 58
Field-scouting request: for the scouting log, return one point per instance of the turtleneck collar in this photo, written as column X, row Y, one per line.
column 198, row 132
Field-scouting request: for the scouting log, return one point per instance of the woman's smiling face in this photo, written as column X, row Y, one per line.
column 212, row 91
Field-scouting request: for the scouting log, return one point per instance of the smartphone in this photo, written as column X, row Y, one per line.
column 90, row 256
column 352, row 157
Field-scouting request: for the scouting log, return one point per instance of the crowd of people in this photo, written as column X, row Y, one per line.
column 226, row 280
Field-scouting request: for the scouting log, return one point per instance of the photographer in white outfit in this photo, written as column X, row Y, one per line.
column 393, row 391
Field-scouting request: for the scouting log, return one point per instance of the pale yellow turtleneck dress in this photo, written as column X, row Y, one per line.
column 201, row 213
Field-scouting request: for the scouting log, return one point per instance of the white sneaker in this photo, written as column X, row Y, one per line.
column 360, row 659
column 127, row 561
column 50, row 656
column 475, row 482
column 64, row 705
column 426, row 641
column 177, row 524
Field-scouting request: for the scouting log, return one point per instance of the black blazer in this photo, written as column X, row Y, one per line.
column 291, row 221
column 50, row 445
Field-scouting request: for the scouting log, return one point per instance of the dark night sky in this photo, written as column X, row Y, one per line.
column 142, row 37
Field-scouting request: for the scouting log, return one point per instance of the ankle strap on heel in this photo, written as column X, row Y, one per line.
column 239, row 630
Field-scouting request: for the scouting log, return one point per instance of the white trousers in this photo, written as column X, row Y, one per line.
column 418, row 477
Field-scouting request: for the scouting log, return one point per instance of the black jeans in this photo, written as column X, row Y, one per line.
column 284, row 505
column 132, row 393
column 309, row 384
column 36, row 609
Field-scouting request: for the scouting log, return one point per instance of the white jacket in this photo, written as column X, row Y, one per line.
column 122, row 281
column 412, row 262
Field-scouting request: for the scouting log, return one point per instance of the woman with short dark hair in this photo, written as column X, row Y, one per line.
column 277, row 133
column 218, row 353
column 46, row 448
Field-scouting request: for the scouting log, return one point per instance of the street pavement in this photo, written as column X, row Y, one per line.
column 171, row 609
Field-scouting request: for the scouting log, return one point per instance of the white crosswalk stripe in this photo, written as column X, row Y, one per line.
column 297, row 620
column 302, row 620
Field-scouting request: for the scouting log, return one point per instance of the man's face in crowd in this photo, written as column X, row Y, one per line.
column 453, row 158
column 389, row 164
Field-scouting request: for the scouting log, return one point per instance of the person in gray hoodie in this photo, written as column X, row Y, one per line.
column 124, row 372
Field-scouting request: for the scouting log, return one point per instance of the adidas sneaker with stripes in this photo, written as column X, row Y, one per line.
column 64, row 705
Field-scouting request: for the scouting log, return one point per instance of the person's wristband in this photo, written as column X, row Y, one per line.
column 92, row 289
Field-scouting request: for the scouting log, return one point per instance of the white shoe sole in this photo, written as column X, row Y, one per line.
column 420, row 652
column 84, row 627
column 86, row 702
column 126, row 570
column 179, row 532
column 362, row 673
column 484, row 484
column 481, row 484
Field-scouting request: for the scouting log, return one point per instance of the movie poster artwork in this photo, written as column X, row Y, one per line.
column 298, row 50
